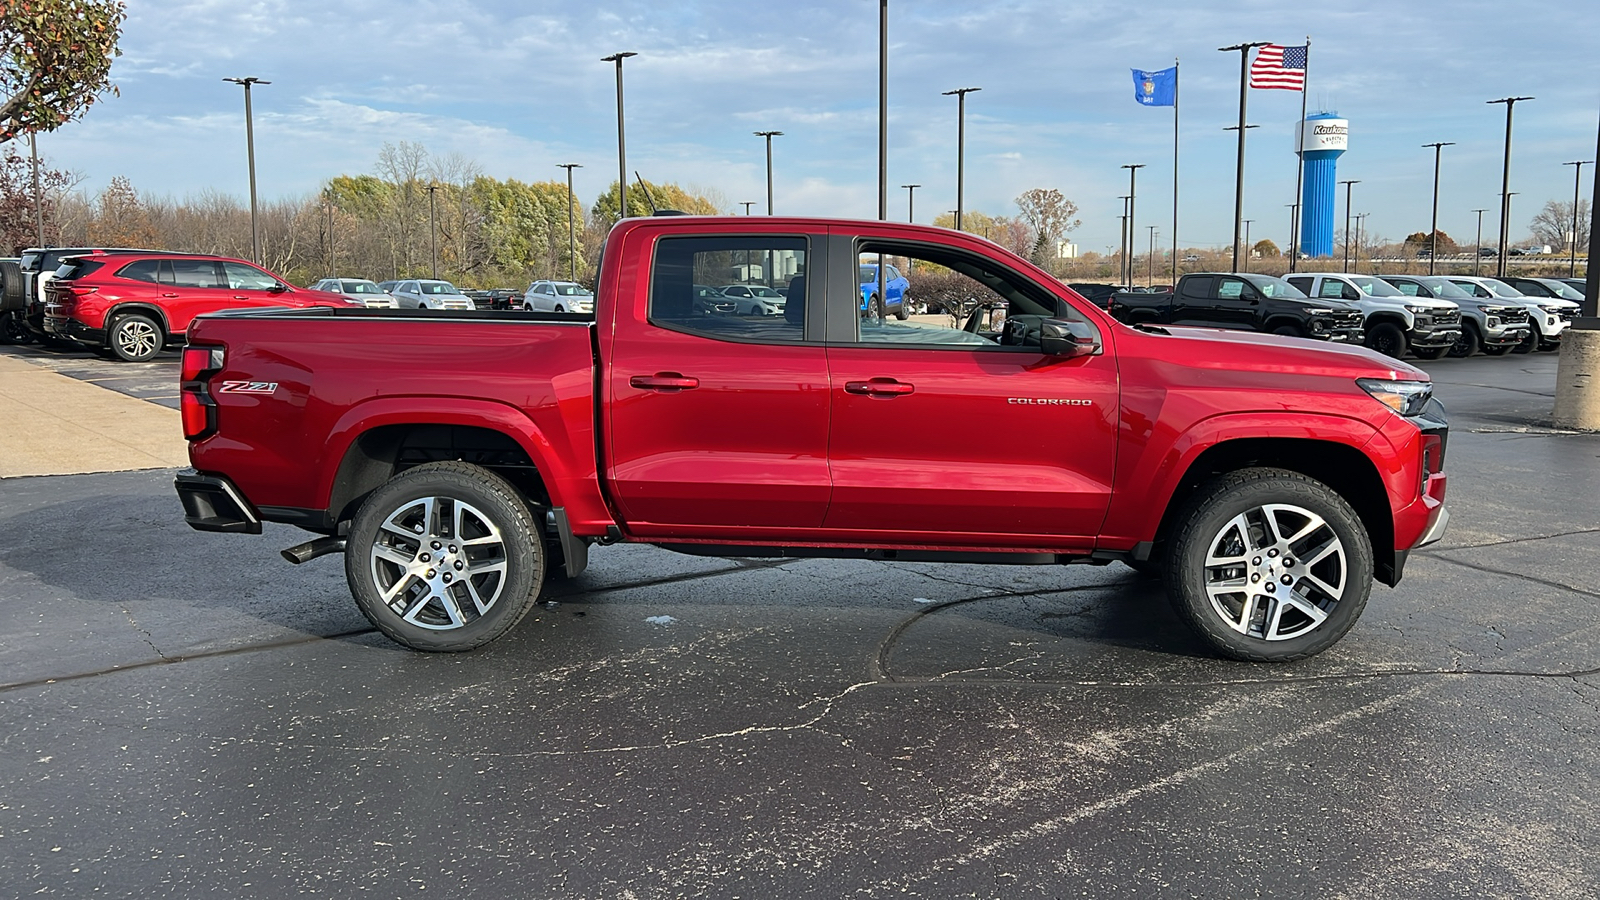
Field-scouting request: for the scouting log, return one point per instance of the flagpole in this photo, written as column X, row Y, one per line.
column 1299, row 164
column 1174, row 241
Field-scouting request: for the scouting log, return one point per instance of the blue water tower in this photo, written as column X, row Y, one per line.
column 1323, row 139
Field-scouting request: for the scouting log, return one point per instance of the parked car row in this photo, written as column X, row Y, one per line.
column 1428, row 316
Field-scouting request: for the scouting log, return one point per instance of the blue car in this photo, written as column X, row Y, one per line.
column 894, row 292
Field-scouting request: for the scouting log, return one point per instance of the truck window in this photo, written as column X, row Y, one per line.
column 1409, row 289
column 684, row 295
column 938, row 297
column 1197, row 287
column 1331, row 289
column 1230, row 289
column 1302, row 282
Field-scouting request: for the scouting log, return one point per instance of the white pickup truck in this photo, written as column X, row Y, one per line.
column 1394, row 322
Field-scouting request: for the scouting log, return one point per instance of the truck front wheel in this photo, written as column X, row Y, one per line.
column 445, row 557
column 1268, row 565
column 1388, row 339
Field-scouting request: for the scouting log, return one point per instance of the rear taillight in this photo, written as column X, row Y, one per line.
column 199, row 410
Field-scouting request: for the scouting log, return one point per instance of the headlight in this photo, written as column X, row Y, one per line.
column 1318, row 311
column 1404, row 397
column 1417, row 308
column 1552, row 309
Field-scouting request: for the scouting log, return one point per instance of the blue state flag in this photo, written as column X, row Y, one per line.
column 1156, row 88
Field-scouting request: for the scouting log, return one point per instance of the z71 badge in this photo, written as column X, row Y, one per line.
column 249, row 387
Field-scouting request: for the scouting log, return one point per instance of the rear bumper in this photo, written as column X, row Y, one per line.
column 212, row 503
column 72, row 329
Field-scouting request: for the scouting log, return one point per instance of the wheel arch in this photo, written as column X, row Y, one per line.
column 1280, row 320
column 138, row 306
column 1342, row 467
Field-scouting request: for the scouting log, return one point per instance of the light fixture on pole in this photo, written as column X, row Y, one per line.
column 1133, row 172
column 622, row 139
column 911, row 201
column 572, row 223
column 433, row 231
column 1433, row 233
column 1505, row 186
column 250, row 151
column 1238, row 183
column 1477, row 246
column 769, row 135
column 1348, row 185
column 961, row 145
column 1577, row 183
column 747, row 204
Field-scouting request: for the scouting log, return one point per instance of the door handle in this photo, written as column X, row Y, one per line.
column 168, row 294
column 241, row 296
column 879, row 387
column 668, row 382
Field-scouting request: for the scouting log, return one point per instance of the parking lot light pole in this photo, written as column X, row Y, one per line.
column 911, row 201
column 1247, row 250
column 433, row 231
column 38, row 195
column 1433, row 233
column 883, row 111
column 622, row 139
column 769, row 135
column 250, row 152
column 572, row 223
column 961, row 145
column 1577, row 184
column 1238, row 183
column 1347, row 187
column 1360, row 222
column 747, row 204
column 1505, row 187
column 1133, row 172
column 1150, row 260
column 1294, row 231
column 1577, row 401
column 1123, row 251
column 1477, row 246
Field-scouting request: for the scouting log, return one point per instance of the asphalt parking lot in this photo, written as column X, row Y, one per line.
column 186, row 715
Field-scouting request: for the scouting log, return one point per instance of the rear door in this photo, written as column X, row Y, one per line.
column 718, row 423
column 957, row 437
column 192, row 287
column 1193, row 303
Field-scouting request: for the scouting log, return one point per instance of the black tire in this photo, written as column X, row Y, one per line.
column 1387, row 338
column 559, row 309
column 437, row 612
column 1229, row 515
column 13, row 292
column 1499, row 351
column 1469, row 343
column 875, row 308
column 1531, row 342
column 135, row 337
column 1289, row 330
column 1429, row 352
column 901, row 313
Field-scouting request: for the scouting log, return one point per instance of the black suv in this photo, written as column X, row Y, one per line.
column 1245, row 302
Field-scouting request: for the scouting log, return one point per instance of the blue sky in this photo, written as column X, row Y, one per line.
column 519, row 87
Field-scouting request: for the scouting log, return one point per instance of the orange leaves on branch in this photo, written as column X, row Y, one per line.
column 59, row 62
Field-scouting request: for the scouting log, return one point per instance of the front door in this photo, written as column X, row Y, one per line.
column 718, row 422
column 957, row 437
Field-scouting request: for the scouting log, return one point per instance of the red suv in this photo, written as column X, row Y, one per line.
column 136, row 302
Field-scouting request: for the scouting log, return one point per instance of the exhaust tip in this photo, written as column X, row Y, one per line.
column 304, row 553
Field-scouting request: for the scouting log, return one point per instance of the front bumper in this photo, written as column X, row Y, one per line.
column 1505, row 335
column 1443, row 336
column 212, row 503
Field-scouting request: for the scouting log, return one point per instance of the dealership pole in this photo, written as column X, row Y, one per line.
column 622, row 139
column 1505, row 187
column 1578, row 372
column 1238, row 180
column 1433, row 235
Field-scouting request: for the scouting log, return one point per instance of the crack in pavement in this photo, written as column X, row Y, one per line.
column 1522, row 540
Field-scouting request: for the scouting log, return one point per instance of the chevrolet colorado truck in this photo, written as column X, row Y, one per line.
column 1394, row 321
column 459, row 459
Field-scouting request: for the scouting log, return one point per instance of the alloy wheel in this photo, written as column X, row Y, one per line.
column 1275, row 572
column 439, row 563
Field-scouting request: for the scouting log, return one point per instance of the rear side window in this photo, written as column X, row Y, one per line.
column 77, row 268
column 683, row 296
column 1198, row 286
column 195, row 273
column 143, row 270
column 1304, row 284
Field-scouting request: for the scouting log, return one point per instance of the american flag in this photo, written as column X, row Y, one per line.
column 1283, row 68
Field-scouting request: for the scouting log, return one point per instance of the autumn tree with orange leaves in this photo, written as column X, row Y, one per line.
column 55, row 61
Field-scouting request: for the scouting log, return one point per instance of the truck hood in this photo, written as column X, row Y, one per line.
column 1271, row 353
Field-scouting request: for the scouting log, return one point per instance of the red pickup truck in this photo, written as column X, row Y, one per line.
column 459, row 460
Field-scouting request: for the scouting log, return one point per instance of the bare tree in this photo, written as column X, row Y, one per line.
column 403, row 165
column 1553, row 225
column 1049, row 215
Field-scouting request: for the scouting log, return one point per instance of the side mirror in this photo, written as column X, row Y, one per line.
column 1068, row 339
column 278, row 287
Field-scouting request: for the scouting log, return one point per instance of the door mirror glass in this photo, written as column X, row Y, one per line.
column 1068, row 339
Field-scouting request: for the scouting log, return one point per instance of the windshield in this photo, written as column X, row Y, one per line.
column 1500, row 288
column 1563, row 290
column 437, row 287
column 568, row 289
column 1277, row 287
column 1375, row 287
column 359, row 287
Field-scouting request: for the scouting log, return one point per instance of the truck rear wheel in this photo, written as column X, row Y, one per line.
column 1268, row 565
column 445, row 557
